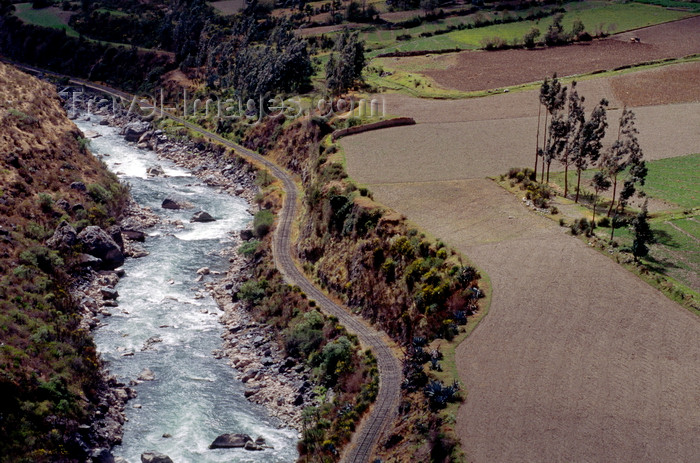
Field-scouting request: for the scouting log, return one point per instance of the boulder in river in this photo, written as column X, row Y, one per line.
column 134, row 235
column 155, row 457
column 102, row 455
column 231, row 441
column 109, row 293
column 172, row 203
column 98, row 243
column 133, row 130
column 147, row 375
column 202, row 216
column 250, row 445
column 155, row 171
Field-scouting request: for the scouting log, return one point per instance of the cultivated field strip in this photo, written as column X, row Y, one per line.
column 382, row 413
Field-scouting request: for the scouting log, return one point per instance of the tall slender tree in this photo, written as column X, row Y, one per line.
column 599, row 183
column 623, row 154
column 553, row 97
column 557, row 140
column 590, row 142
column 643, row 235
column 575, row 122
column 544, row 91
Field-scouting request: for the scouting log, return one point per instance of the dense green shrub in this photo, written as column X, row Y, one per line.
column 253, row 290
column 262, row 222
column 249, row 247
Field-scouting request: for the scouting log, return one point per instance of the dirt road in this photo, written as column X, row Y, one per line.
column 382, row 413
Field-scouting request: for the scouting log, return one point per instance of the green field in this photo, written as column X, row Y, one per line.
column 690, row 6
column 676, row 253
column 597, row 17
column 674, row 261
column 45, row 17
column 674, row 180
column 112, row 12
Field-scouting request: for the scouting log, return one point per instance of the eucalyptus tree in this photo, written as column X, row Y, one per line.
column 599, row 183
column 590, row 142
column 344, row 66
column 574, row 126
column 643, row 235
column 557, row 140
column 624, row 155
column 553, row 97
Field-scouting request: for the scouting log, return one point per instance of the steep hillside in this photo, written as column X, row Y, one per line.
column 49, row 372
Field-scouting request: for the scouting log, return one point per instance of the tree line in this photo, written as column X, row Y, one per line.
column 576, row 142
column 252, row 54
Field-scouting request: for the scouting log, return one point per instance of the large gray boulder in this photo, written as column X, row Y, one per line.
column 175, row 203
column 134, row 130
column 155, row 171
column 155, row 457
column 64, row 237
column 116, row 234
column 102, row 455
column 98, row 243
column 230, row 441
column 202, row 216
column 134, row 235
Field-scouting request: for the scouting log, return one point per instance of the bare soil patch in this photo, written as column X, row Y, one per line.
column 485, row 141
column 485, row 70
column 672, row 84
column 578, row 359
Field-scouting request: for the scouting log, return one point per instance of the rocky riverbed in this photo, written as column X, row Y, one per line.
column 252, row 349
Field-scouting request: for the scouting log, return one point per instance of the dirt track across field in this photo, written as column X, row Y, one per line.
column 483, row 70
column 578, row 359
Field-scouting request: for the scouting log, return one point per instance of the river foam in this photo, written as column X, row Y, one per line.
column 194, row 397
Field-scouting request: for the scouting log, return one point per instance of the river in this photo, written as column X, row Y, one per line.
column 194, row 396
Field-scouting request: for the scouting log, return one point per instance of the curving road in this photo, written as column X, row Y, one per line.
column 383, row 411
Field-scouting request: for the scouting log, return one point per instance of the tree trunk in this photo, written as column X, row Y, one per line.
column 595, row 203
column 537, row 145
column 548, row 165
column 544, row 143
column 612, row 228
column 566, row 175
column 578, row 183
column 612, row 202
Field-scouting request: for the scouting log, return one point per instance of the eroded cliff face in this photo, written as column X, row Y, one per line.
column 50, row 376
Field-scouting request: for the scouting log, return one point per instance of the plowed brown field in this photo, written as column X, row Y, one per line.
column 578, row 359
column 483, row 70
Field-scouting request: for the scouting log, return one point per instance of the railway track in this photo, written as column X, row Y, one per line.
column 382, row 413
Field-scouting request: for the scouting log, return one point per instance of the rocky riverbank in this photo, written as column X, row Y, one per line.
column 94, row 288
column 252, row 348
column 271, row 378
